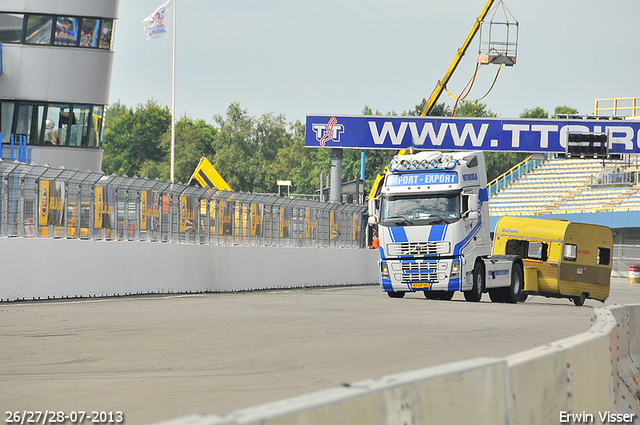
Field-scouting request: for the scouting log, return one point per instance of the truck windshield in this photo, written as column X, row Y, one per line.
column 433, row 208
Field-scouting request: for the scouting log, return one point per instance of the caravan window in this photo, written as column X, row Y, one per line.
column 537, row 251
column 570, row 252
column 528, row 249
column 603, row 256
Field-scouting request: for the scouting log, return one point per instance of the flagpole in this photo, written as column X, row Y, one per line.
column 173, row 98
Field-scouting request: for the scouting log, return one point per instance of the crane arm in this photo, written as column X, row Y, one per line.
column 456, row 60
column 375, row 188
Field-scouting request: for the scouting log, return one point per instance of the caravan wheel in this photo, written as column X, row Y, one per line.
column 579, row 301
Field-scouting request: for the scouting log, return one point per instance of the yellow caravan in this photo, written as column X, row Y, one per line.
column 561, row 258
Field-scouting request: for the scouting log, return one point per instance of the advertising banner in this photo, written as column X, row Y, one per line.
column 154, row 201
column 98, row 206
column 451, row 133
column 52, row 198
column 104, row 204
column 150, row 210
column 334, row 226
column 187, row 214
column 257, row 218
column 285, row 222
column 226, row 217
column 144, row 210
column 356, row 226
column 310, row 223
column 43, row 214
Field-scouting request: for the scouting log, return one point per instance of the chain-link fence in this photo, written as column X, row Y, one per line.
column 39, row 201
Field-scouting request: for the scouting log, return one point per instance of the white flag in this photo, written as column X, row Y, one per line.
column 155, row 25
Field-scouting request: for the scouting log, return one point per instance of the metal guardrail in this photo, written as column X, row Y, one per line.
column 39, row 201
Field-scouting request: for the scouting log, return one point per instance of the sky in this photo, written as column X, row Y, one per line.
column 334, row 57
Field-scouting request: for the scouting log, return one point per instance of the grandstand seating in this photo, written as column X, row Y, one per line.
column 560, row 185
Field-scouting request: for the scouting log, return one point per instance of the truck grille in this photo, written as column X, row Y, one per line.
column 419, row 272
column 419, row 248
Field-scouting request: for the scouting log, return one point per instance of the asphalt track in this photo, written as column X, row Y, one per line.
column 161, row 357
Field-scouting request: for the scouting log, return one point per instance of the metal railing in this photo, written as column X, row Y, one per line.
column 617, row 106
column 615, row 179
column 16, row 149
column 512, row 175
column 626, row 253
column 44, row 202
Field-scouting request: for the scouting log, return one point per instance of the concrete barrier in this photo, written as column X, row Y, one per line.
column 69, row 268
column 421, row 396
column 571, row 375
column 588, row 378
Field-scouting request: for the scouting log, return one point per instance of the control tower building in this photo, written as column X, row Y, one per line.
column 56, row 58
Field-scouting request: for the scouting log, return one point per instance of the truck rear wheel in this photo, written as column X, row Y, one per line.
column 514, row 291
column 496, row 295
column 475, row 294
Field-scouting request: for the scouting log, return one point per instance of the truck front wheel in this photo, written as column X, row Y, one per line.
column 475, row 294
column 438, row 295
column 396, row 294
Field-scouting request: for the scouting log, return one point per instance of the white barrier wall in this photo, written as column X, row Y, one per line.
column 584, row 376
column 61, row 268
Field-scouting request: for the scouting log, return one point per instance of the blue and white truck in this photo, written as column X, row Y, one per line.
column 432, row 218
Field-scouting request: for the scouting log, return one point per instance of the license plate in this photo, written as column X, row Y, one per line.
column 421, row 285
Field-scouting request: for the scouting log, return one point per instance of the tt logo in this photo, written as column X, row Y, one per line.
column 328, row 132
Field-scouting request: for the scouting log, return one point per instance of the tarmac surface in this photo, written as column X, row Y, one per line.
column 155, row 358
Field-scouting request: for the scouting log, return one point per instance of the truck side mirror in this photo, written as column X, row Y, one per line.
column 474, row 206
column 474, row 202
column 373, row 211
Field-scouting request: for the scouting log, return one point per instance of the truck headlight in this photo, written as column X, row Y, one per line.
column 384, row 271
column 455, row 268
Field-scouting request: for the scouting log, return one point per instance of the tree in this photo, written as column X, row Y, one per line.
column 438, row 110
column 534, row 113
column 132, row 137
column 474, row 109
column 564, row 110
column 497, row 163
column 247, row 147
column 234, row 147
column 194, row 139
column 297, row 163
